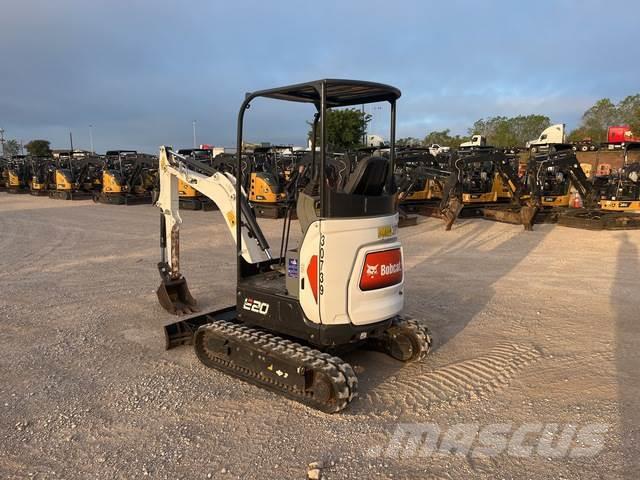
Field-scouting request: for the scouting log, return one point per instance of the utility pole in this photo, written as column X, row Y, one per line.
column 71, row 141
column 2, row 140
column 91, row 138
column 194, row 134
column 364, row 130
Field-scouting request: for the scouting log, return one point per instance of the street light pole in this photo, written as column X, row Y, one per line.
column 91, row 138
column 194, row 134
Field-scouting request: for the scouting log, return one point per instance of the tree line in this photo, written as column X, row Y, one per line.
column 504, row 131
column 346, row 128
column 37, row 148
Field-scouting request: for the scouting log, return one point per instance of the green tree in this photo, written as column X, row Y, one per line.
column 598, row 118
column 11, row 148
column 409, row 142
column 38, row 148
column 578, row 134
column 503, row 131
column 527, row 127
column 629, row 112
column 345, row 128
column 444, row 138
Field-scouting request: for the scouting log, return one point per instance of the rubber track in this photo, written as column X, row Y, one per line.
column 343, row 379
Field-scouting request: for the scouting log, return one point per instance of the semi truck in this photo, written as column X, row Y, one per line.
column 552, row 135
column 476, row 141
column 618, row 136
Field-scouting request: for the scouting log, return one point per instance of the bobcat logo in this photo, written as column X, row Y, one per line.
column 372, row 270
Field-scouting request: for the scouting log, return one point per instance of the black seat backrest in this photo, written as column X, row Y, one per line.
column 369, row 177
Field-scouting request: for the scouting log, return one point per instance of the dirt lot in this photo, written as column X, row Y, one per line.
column 530, row 328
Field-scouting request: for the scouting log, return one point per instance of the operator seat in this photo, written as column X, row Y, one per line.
column 369, row 178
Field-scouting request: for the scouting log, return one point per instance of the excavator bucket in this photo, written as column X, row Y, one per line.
column 175, row 297
column 451, row 212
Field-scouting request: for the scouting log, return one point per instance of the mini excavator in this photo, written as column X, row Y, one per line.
column 43, row 171
column 479, row 170
column 342, row 287
column 76, row 178
column 18, row 174
column 612, row 206
column 128, row 178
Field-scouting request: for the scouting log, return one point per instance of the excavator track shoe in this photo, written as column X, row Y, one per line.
column 301, row 373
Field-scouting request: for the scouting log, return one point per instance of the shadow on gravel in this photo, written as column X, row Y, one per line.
column 627, row 353
column 467, row 262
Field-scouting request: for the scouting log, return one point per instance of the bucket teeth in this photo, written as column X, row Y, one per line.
column 175, row 297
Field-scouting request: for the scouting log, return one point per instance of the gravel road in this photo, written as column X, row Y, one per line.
column 531, row 328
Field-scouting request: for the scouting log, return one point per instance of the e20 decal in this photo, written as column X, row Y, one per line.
column 256, row 306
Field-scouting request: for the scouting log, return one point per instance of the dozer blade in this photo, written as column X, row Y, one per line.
column 524, row 215
column 175, row 297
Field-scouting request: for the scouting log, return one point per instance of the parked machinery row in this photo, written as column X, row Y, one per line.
column 551, row 187
column 119, row 177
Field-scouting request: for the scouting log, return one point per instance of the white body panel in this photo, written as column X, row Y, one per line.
column 374, row 305
column 476, row 141
column 435, row 149
column 341, row 245
column 549, row 136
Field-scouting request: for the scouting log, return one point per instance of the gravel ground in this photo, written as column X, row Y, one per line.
column 530, row 328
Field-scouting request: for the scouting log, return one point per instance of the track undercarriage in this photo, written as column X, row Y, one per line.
column 597, row 219
column 122, row 199
column 70, row 195
column 300, row 372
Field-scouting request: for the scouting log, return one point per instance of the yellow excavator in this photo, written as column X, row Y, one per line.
column 265, row 190
column 77, row 178
column 128, row 178
column 554, row 176
column 18, row 180
column 623, row 189
column 42, row 175
column 190, row 198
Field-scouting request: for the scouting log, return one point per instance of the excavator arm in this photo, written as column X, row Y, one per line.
column 220, row 187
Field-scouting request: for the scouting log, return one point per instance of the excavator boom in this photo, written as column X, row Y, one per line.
column 173, row 293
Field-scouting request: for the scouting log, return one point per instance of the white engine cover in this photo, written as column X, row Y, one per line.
column 336, row 286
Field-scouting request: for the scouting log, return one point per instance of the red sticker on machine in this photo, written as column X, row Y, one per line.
column 381, row 269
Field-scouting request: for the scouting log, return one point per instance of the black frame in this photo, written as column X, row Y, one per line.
column 323, row 94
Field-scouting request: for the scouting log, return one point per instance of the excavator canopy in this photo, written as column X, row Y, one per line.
column 339, row 92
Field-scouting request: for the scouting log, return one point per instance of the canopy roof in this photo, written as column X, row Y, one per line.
column 339, row 93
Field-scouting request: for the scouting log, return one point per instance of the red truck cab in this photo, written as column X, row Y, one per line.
column 620, row 135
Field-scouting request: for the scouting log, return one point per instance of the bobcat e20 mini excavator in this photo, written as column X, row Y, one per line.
column 342, row 287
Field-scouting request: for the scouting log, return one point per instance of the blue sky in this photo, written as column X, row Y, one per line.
column 140, row 71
